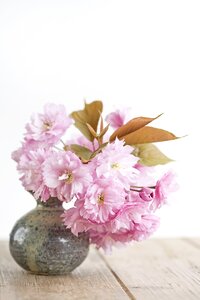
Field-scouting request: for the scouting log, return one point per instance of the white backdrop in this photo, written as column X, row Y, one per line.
column 143, row 54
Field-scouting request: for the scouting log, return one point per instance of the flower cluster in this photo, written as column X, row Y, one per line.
column 115, row 194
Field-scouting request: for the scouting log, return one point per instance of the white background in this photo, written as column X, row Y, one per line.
column 143, row 54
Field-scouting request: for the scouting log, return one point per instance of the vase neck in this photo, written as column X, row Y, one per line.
column 51, row 202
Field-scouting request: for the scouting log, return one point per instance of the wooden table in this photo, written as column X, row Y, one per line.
column 156, row 269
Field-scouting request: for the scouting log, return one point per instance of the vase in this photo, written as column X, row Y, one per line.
column 41, row 244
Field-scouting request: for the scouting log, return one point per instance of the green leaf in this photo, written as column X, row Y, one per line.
column 99, row 150
column 82, row 152
column 150, row 155
column 89, row 115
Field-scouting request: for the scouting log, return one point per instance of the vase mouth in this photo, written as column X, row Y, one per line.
column 51, row 202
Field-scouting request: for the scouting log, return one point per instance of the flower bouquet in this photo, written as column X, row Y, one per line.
column 107, row 172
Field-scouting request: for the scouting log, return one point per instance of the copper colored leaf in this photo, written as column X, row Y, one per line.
column 101, row 123
column 104, row 130
column 150, row 155
column 148, row 134
column 92, row 131
column 131, row 126
column 90, row 114
column 82, row 152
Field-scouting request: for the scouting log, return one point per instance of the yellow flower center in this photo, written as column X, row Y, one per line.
column 115, row 166
column 69, row 177
column 47, row 125
column 100, row 199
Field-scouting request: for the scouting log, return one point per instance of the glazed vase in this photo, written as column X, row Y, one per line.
column 40, row 243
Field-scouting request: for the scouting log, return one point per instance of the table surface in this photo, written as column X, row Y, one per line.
column 156, row 269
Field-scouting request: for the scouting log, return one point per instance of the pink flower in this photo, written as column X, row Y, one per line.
column 139, row 231
column 26, row 147
column 166, row 185
column 107, row 240
column 118, row 118
column 128, row 221
column 126, row 216
column 115, row 196
column 47, row 128
column 102, row 200
column 17, row 154
column 116, row 162
column 65, row 172
column 146, row 194
column 148, row 225
column 73, row 219
column 146, row 177
column 30, row 166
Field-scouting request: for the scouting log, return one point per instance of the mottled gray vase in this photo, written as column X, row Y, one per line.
column 41, row 244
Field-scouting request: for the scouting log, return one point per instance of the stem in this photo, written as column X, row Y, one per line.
column 99, row 141
column 57, row 148
column 139, row 188
column 93, row 146
column 62, row 142
column 133, row 190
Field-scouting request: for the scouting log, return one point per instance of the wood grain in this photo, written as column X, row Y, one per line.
column 92, row 280
column 163, row 269
column 158, row 269
column 195, row 242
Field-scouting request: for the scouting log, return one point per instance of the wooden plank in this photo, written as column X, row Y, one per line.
column 158, row 269
column 92, row 280
column 194, row 241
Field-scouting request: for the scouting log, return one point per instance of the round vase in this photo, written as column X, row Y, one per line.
column 40, row 243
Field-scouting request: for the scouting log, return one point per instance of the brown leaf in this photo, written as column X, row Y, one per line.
column 150, row 155
column 92, row 131
column 131, row 126
column 148, row 134
column 90, row 114
column 104, row 130
column 101, row 123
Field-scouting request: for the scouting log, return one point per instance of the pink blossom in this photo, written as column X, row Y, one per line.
column 73, row 219
column 146, row 177
column 26, row 147
column 16, row 155
column 30, row 166
column 118, row 118
column 148, row 225
column 129, row 214
column 166, row 185
column 138, row 231
column 107, row 240
column 47, row 128
column 115, row 196
column 65, row 172
column 146, row 194
column 102, row 200
column 116, row 162
column 129, row 221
